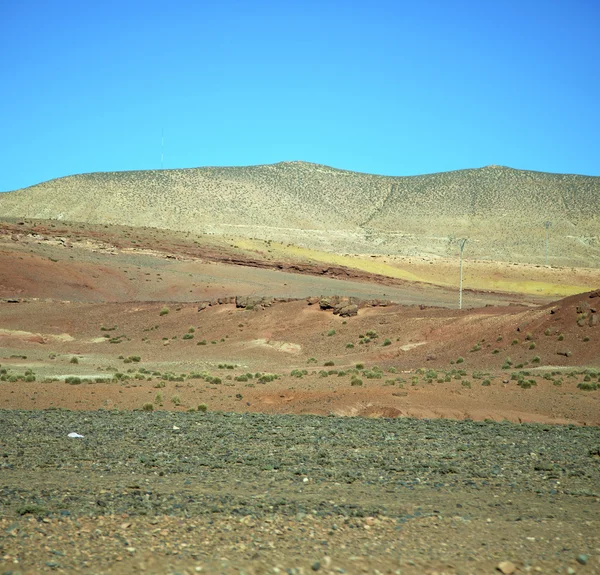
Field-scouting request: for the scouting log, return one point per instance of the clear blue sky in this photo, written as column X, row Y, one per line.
column 396, row 88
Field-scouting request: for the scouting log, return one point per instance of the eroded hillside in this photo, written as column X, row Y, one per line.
column 501, row 210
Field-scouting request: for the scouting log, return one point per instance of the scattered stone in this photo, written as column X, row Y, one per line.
column 506, row 567
column 582, row 559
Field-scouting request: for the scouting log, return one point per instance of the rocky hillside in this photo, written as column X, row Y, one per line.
column 501, row 210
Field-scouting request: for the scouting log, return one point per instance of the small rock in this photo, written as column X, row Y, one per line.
column 582, row 559
column 506, row 567
column 316, row 566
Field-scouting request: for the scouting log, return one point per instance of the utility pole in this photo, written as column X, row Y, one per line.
column 461, row 245
column 547, row 226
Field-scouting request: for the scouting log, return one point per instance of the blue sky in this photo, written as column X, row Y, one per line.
column 396, row 88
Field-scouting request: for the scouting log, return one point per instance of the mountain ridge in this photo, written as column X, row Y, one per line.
column 501, row 209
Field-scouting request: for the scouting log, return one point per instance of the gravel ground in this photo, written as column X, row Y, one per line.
column 167, row 492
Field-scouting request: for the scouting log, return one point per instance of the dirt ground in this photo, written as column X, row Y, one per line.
column 103, row 321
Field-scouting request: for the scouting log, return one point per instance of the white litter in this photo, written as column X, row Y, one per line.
column 73, row 434
column 175, row 427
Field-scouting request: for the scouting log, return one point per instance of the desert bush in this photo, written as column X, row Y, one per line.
column 387, row 342
column 331, row 332
column 188, row 336
column 203, row 408
column 349, row 346
column 74, row 360
column 164, row 311
column 148, row 407
column 176, row 400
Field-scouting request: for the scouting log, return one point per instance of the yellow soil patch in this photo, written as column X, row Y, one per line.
column 437, row 272
column 316, row 256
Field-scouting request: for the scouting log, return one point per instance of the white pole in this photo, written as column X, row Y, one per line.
column 461, row 244
column 547, row 226
column 162, row 148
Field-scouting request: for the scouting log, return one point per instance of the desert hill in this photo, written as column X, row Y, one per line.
column 501, row 210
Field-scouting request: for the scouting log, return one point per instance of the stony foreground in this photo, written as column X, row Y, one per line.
column 228, row 493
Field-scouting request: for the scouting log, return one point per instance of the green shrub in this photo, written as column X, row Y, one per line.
column 331, row 332
column 460, row 360
column 328, row 363
column 188, row 336
column 387, row 342
column 355, row 381
column 486, row 383
column 176, row 400
column 560, row 337
column 203, row 408
column 532, row 345
column 360, row 366
column 164, row 311
column 349, row 346
column 587, row 386
column 148, row 407
column 74, row 360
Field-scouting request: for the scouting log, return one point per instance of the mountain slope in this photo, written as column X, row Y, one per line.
column 501, row 210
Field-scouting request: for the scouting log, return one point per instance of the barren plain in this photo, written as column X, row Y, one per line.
column 247, row 405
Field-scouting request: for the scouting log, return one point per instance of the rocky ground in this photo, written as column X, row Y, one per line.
column 231, row 493
column 216, row 430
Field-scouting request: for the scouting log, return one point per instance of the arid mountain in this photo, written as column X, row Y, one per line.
column 501, row 210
